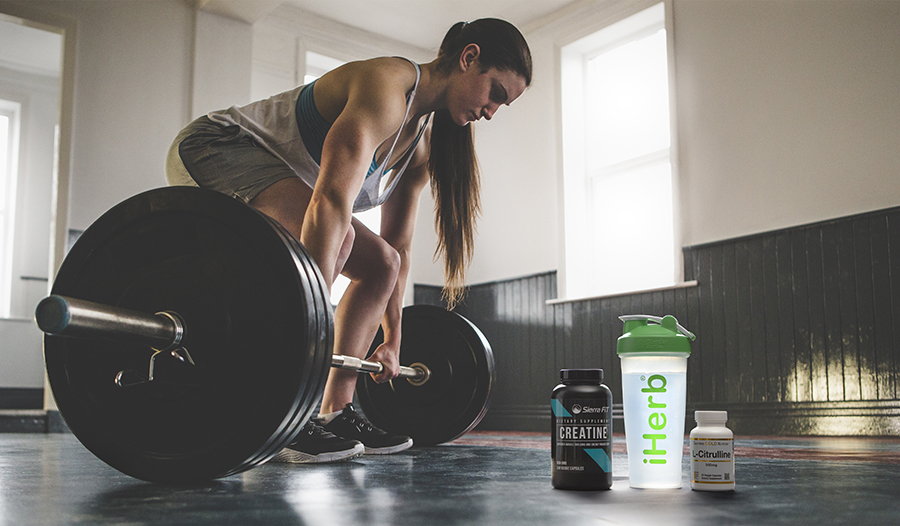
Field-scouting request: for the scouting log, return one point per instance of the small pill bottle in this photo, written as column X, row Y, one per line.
column 580, row 418
column 712, row 452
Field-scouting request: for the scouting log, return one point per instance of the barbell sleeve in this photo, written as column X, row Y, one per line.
column 64, row 316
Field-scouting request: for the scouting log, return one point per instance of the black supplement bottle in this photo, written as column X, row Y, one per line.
column 581, row 408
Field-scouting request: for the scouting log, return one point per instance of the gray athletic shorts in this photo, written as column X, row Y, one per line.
column 222, row 158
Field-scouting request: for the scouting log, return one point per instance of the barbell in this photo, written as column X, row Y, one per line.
column 162, row 331
column 188, row 337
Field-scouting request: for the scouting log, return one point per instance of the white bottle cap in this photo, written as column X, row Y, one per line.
column 711, row 416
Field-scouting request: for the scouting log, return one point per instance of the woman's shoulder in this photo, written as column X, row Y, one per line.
column 381, row 72
column 383, row 80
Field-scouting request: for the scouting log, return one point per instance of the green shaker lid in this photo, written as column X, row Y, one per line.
column 664, row 335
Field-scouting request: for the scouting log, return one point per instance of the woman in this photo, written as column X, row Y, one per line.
column 369, row 133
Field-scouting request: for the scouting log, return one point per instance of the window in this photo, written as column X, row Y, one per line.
column 316, row 66
column 616, row 159
column 9, row 148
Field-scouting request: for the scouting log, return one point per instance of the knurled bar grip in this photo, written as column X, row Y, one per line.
column 351, row 363
column 64, row 316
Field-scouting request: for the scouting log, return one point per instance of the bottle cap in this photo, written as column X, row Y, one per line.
column 711, row 416
column 664, row 335
column 581, row 374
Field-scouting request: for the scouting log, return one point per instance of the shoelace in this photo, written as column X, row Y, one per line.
column 311, row 427
column 362, row 422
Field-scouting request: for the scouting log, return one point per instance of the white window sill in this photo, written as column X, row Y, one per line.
column 682, row 285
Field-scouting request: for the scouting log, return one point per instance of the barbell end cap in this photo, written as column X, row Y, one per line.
column 53, row 314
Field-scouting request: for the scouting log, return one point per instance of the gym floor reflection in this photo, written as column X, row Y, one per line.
column 483, row 478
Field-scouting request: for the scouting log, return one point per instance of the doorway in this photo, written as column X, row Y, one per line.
column 36, row 81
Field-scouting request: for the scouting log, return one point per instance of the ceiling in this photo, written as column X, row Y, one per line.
column 421, row 23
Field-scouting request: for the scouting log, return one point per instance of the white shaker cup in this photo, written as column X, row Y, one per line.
column 654, row 353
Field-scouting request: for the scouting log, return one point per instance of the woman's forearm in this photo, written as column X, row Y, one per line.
column 392, row 314
column 325, row 225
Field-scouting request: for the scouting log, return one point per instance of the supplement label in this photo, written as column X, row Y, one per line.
column 712, row 460
column 581, row 436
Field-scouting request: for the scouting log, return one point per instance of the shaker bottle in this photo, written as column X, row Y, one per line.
column 654, row 353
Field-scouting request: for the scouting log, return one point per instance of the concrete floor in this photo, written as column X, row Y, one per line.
column 482, row 478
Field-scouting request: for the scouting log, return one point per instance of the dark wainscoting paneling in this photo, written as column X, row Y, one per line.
column 798, row 331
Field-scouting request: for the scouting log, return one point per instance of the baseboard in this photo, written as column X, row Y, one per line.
column 32, row 421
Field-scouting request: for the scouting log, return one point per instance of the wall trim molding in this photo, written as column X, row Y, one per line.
column 32, row 421
column 804, row 226
column 848, row 418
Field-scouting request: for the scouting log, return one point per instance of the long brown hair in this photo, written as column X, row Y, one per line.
column 455, row 179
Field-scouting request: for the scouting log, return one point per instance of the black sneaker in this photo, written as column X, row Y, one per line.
column 315, row 445
column 349, row 424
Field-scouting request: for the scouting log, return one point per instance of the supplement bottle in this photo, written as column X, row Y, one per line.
column 581, row 408
column 712, row 452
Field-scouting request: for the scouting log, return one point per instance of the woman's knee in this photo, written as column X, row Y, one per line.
column 379, row 263
column 385, row 263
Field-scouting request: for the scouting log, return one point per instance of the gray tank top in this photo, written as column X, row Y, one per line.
column 273, row 124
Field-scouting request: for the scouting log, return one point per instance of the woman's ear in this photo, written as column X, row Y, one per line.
column 468, row 56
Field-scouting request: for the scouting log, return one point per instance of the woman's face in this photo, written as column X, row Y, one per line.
column 480, row 93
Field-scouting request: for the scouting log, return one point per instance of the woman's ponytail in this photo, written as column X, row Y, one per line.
column 455, row 185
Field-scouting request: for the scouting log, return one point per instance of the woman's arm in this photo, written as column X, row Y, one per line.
column 398, row 218
column 374, row 110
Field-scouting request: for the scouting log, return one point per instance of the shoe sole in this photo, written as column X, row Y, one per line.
column 389, row 449
column 291, row 456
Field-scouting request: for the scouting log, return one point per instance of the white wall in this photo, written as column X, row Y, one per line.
column 222, row 61
column 132, row 95
column 21, row 355
column 281, row 40
column 788, row 111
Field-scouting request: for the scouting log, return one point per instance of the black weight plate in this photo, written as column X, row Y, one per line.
column 457, row 395
column 250, row 325
column 322, row 337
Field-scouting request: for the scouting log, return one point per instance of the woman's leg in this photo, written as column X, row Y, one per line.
column 373, row 266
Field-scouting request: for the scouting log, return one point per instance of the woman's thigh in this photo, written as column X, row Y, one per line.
column 285, row 201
